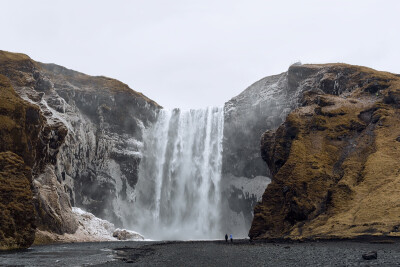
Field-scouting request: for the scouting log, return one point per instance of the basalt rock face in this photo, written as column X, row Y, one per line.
column 262, row 106
column 334, row 160
column 86, row 134
column 99, row 162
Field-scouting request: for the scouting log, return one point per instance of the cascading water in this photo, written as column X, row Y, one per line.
column 178, row 192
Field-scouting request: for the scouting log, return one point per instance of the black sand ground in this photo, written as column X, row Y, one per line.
column 208, row 253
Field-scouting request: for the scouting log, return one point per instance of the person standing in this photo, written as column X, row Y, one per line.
column 226, row 237
column 231, row 238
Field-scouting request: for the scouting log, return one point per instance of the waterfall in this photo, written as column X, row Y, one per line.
column 178, row 192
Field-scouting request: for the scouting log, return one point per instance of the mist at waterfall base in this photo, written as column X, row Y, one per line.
column 178, row 192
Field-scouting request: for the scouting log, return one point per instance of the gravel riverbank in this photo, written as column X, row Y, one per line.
column 208, row 253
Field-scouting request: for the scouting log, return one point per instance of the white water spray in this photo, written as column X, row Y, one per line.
column 178, row 192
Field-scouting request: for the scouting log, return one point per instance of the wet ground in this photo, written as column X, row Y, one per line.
column 208, row 253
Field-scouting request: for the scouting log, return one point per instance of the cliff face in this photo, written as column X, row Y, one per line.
column 21, row 129
column 244, row 173
column 69, row 139
column 334, row 160
column 85, row 134
column 99, row 162
column 262, row 106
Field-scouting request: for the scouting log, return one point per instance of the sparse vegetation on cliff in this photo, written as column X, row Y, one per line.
column 335, row 159
column 19, row 132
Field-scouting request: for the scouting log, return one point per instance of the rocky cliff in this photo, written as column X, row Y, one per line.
column 20, row 126
column 99, row 162
column 334, row 160
column 262, row 106
column 329, row 135
column 68, row 138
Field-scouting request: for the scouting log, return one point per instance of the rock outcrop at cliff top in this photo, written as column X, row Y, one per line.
column 71, row 138
column 335, row 159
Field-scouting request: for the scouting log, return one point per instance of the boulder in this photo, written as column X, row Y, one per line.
column 372, row 255
column 123, row 234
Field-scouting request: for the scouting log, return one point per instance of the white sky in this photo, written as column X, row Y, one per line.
column 193, row 54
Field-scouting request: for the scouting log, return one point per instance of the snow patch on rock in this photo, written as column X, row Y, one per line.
column 123, row 234
column 90, row 229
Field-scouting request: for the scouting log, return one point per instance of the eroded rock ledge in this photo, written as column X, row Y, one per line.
column 335, row 159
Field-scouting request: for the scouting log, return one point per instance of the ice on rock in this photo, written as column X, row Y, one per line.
column 125, row 235
column 90, row 225
column 93, row 228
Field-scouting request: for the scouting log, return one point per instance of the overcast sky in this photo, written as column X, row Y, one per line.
column 193, row 54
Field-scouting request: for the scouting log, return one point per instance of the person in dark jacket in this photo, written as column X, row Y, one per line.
column 226, row 237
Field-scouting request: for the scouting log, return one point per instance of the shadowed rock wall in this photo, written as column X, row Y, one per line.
column 262, row 106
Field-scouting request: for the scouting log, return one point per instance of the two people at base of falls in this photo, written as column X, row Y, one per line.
column 226, row 237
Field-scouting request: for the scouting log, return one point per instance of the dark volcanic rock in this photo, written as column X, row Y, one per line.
column 106, row 120
column 86, row 134
column 372, row 255
column 333, row 158
column 246, row 116
column 261, row 107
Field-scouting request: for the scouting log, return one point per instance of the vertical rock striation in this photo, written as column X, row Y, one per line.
column 85, row 150
column 99, row 162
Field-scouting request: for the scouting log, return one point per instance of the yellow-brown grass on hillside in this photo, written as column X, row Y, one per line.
column 16, row 204
column 20, row 125
column 341, row 175
column 17, row 66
